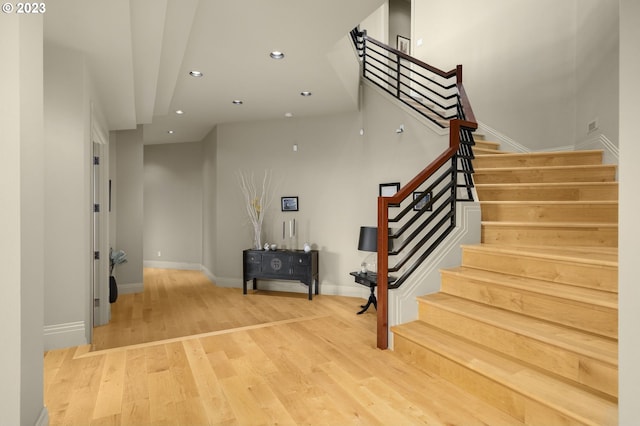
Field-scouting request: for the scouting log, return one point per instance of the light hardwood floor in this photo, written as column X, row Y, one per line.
column 263, row 358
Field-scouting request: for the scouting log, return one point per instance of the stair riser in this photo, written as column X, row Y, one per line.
column 531, row 212
column 575, row 158
column 583, row 370
column 477, row 152
column 588, row 236
column 583, row 316
column 498, row 395
column 550, row 193
column 493, row 146
column 564, row 272
column 524, row 175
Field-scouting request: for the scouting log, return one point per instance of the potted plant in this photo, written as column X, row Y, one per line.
column 115, row 258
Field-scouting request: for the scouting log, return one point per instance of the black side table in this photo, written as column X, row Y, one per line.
column 369, row 279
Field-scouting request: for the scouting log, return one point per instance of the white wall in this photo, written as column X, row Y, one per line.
column 67, row 198
column 21, row 220
column 629, row 298
column 173, row 194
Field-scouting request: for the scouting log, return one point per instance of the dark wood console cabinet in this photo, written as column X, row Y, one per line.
column 295, row 265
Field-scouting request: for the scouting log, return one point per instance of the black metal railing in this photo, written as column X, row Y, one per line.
column 427, row 90
column 419, row 217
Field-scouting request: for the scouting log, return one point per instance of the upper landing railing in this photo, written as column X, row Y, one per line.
column 418, row 218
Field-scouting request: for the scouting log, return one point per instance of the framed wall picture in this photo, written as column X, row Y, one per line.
column 388, row 190
column 423, row 201
column 403, row 44
column 289, row 204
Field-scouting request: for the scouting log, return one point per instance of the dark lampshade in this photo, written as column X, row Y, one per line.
column 368, row 240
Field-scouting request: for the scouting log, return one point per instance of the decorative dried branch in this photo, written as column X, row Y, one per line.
column 256, row 203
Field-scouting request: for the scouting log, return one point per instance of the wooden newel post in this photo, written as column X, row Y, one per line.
column 383, row 273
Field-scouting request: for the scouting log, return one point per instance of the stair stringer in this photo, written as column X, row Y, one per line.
column 402, row 302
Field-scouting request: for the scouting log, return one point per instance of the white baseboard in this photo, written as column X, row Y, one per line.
column 183, row 266
column 600, row 141
column 43, row 418
column 506, row 143
column 130, row 288
column 212, row 277
column 59, row 336
column 326, row 287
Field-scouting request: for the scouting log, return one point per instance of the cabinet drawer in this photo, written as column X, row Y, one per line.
column 301, row 259
column 276, row 263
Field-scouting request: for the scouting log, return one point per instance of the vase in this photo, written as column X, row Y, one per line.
column 257, row 237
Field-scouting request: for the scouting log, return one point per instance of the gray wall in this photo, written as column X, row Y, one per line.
column 67, row 196
column 399, row 20
column 173, row 194
column 335, row 173
column 597, row 59
column 537, row 77
column 128, row 193
column 209, row 202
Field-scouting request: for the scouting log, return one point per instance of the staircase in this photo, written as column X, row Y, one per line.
column 529, row 321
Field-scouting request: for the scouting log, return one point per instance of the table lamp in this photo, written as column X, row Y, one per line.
column 368, row 241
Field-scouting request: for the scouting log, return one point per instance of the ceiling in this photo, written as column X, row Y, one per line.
column 139, row 54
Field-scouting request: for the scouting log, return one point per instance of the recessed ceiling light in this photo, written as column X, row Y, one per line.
column 195, row 73
column 170, row 132
column 305, row 93
column 288, row 114
column 179, row 112
column 276, row 54
column 237, row 102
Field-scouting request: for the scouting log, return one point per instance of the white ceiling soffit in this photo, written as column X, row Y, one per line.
column 101, row 30
column 139, row 53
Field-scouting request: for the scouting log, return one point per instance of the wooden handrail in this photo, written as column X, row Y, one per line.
column 460, row 126
column 464, row 99
column 454, row 143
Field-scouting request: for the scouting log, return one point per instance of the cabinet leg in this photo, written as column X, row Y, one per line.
column 372, row 301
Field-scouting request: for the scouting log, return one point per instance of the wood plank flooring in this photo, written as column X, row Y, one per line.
column 263, row 358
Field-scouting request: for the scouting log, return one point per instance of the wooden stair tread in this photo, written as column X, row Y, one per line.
column 604, row 256
column 481, row 152
column 584, row 225
column 579, row 294
column 554, row 203
column 550, row 211
column 570, row 400
column 570, row 173
column 596, row 347
column 545, row 168
column 539, row 159
column 548, row 153
column 524, row 185
column 555, row 153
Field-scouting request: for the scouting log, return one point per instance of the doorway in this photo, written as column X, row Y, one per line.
column 99, row 287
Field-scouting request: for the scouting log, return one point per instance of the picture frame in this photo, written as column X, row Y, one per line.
column 420, row 204
column 403, row 44
column 289, row 204
column 389, row 190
